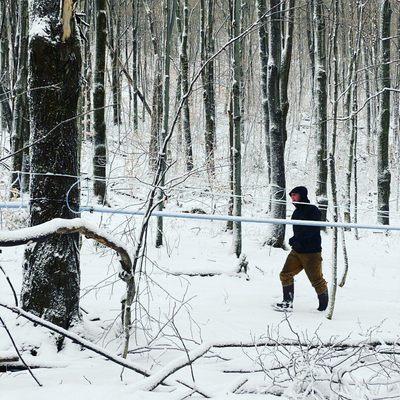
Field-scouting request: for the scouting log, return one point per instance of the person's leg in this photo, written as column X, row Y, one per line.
column 313, row 266
column 291, row 268
column 312, row 263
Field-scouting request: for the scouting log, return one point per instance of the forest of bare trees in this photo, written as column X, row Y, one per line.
column 160, row 92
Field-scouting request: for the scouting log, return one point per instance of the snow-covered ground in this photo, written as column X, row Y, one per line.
column 176, row 308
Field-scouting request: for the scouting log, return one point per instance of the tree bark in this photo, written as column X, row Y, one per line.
column 207, row 75
column 169, row 13
column 236, row 115
column 20, row 126
column 263, row 43
column 99, row 124
column 185, row 87
column 278, row 180
column 51, row 274
column 383, row 172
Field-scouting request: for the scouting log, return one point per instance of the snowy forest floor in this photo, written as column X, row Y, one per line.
column 187, row 309
column 177, row 311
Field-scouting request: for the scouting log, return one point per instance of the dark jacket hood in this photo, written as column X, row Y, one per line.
column 302, row 191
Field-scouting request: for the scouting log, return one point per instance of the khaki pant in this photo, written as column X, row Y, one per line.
column 311, row 263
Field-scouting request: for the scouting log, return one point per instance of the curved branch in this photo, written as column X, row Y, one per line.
column 61, row 226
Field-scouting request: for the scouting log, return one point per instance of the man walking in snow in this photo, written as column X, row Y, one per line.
column 305, row 254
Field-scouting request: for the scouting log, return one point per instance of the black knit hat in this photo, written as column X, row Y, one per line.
column 301, row 190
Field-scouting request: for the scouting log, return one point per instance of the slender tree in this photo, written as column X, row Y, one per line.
column 51, row 275
column 384, row 115
column 207, row 48
column 135, row 27
column 278, row 180
column 99, row 125
column 20, row 126
column 263, row 43
column 184, row 68
column 169, row 17
column 320, row 94
column 236, row 116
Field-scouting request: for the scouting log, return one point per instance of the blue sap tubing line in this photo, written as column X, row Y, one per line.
column 213, row 217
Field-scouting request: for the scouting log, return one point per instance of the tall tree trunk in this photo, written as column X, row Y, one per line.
column 157, row 101
column 184, row 61
column 135, row 27
column 278, row 180
column 20, row 127
column 207, row 46
column 169, row 16
column 51, row 275
column 320, row 94
column 115, row 32
column 367, row 95
column 332, row 162
column 99, row 124
column 263, row 43
column 5, row 82
column 237, row 152
column 383, row 171
column 285, row 64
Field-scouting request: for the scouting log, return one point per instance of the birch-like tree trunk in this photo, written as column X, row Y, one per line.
column 51, row 275
column 278, row 180
column 99, row 125
column 332, row 162
column 383, row 171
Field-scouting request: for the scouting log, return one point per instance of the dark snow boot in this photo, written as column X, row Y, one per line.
column 287, row 303
column 323, row 299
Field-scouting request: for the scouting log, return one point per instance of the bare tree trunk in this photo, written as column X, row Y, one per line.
column 383, row 171
column 237, row 153
column 278, row 181
column 99, row 125
column 5, row 82
column 135, row 27
column 332, row 164
column 115, row 31
column 51, row 274
column 320, row 95
column 285, row 65
column 157, row 103
column 20, row 127
column 263, row 43
column 207, row 46
column 169, row 16
column 184, row 61
column 367, row 95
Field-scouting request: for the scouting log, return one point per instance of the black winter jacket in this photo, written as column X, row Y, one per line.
column 306, row 239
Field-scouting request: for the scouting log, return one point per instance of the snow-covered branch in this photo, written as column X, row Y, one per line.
column 67, row 226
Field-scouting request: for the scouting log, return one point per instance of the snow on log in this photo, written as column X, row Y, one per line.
column 158, row 377
column 77, row 339
column 66, row 226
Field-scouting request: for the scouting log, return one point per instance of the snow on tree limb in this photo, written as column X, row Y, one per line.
column 66, row 226
column 77, row 339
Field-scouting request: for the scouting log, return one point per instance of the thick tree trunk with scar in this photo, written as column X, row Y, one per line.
column 51, row 275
